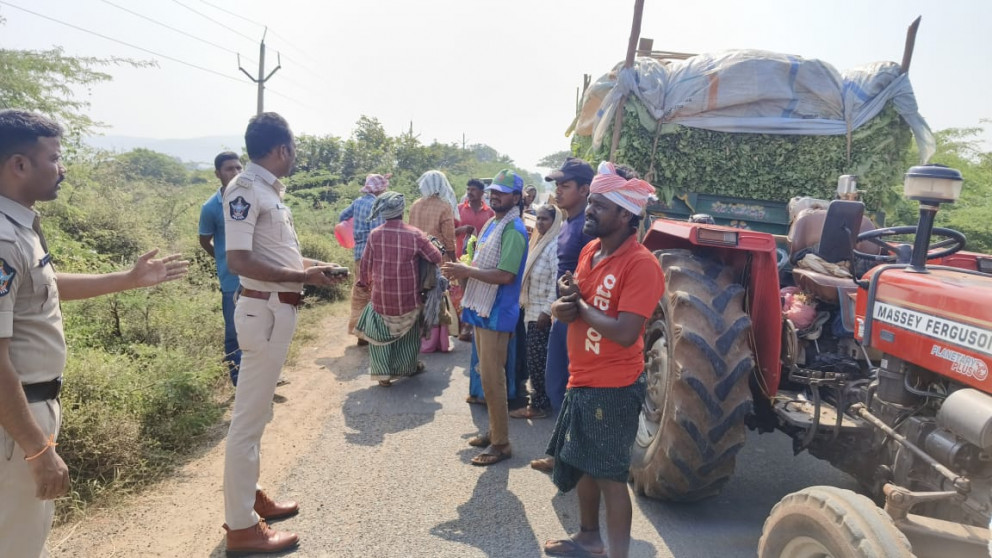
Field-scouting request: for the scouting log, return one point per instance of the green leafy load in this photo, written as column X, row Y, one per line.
column 759, row 166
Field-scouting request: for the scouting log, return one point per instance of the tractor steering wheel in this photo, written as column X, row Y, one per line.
column 900, row 252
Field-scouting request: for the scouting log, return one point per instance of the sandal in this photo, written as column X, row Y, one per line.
column 528, row 412
column 480, row 441
column 568, row 547
column 473, row 400
column 421, row 366
column 385, row 383
column 492, row 456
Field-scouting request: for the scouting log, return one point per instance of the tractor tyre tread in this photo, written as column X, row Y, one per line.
column 705, row 400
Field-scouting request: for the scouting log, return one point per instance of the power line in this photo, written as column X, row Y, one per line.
column 225, row 26
column 180, row 31
column 102, row 36
column 235, row 14
column 270, row 30
column 284, row 96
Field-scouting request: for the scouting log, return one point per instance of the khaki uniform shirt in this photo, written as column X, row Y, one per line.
column 29, row 298
column 255, row 219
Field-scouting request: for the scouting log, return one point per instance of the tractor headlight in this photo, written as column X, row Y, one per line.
column 932, row 183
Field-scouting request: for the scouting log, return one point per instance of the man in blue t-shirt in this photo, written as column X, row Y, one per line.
column 227, row 166
column 492, row 305
column 571, row 190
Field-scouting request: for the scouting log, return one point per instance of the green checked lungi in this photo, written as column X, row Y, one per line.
column 389, row 357
column 594, row 433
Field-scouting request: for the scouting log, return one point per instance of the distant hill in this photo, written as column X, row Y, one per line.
column 192, row 150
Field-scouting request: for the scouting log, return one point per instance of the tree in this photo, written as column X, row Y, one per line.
column 554, row 160
column 368, row 150
column 48, row 82
column 145, row 163
column 960, row 148
column 318, row 153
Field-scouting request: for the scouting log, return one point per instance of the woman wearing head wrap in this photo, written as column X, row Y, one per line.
column 434, row 214
column 359, row 212
column 537, row 292
column 389, row 267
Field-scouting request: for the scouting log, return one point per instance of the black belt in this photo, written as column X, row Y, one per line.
column 293, row 299
column 43, row 391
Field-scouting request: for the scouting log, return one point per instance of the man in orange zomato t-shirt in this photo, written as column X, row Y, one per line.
column 616, row 287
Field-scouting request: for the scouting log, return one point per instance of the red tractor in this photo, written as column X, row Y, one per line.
column 889, row 382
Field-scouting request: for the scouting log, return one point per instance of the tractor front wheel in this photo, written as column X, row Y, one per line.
column 830, row 522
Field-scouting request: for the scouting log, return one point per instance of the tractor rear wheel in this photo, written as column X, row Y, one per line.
column 698, row 362
column 825, row 521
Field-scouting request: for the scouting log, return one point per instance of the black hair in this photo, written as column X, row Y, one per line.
column 626, row 172
column 530, row 187
column 20, row 130
column 635, row 221
column 476, row 183
column 221, row 158
column 265, row 132
column 549, row 208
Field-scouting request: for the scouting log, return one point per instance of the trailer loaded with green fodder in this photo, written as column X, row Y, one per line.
column 737, row 134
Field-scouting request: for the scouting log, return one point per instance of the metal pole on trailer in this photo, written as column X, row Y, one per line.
column 635, row 33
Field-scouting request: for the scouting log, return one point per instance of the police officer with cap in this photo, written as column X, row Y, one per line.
column 32, row 343
column 263, row 250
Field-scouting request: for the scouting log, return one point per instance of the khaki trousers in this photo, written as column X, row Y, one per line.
column 265, row 330
column 24, row 519
column 360, row 298
column 491, row 347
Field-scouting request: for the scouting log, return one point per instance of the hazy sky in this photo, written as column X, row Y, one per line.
column 501, row 72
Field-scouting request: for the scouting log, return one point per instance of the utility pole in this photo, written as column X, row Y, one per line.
column 262, row 78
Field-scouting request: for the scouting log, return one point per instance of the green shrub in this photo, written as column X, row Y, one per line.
column 760, row 166
column 320, row 247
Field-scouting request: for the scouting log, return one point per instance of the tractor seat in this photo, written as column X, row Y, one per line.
column 830, row 234
column 824, row 287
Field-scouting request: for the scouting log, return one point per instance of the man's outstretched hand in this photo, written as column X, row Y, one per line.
column 148, row 271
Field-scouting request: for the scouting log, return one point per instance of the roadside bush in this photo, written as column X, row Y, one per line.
column 320, row 247
column 100, row 439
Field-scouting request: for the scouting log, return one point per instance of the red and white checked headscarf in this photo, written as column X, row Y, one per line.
column 376, row 184
column 631, row 195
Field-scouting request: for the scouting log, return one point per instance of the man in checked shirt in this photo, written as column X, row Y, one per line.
column 391, row 323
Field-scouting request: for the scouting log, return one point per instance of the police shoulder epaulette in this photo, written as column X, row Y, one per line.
column 7, row 231
column 244, row 180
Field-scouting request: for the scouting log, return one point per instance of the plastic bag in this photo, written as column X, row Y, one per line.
column 344, row 232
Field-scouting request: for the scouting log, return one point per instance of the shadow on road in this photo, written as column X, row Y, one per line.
column 352, row 364
column 410, row 403
column 566, row 506
column 729, row 524
column 493, row 519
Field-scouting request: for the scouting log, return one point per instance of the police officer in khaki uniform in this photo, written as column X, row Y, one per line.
column 32, row 345
column 263, row 250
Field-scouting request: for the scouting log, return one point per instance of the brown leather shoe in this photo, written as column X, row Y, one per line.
column 258, row 539
column 268, row 508
column 544, row 464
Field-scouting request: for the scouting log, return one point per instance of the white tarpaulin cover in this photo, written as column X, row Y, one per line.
column 755, row 91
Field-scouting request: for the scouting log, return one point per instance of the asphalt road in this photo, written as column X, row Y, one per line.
column 390, row 477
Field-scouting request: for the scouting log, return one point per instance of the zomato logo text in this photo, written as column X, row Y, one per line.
column 601, row 300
